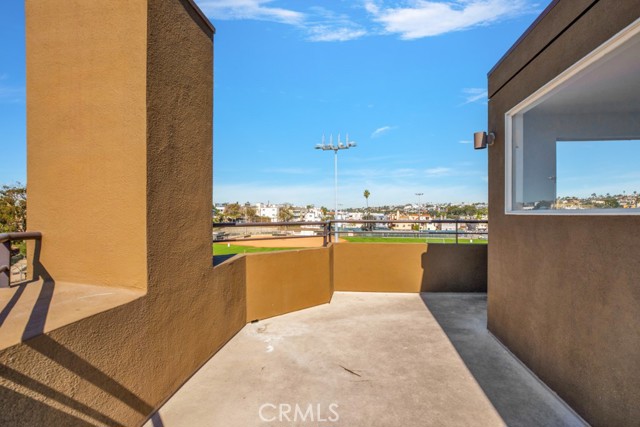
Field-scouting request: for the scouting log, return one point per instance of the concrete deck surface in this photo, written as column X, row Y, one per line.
column 367, row 359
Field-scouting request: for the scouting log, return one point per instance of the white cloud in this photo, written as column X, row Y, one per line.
column 381, row 131
column 10, row 94
column 350, row 194
column 250, row 9
column 319, row 25
column 426, row 18
column 474, row 94
column 324, row 25
column 465, row 142
column 439, row 171
column 291, row 171
column 327, row 33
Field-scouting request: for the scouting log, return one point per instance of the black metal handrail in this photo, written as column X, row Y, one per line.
column 328, row 228
column 5, row 252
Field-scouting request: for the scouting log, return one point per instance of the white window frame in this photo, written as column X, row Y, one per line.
column 538, row 97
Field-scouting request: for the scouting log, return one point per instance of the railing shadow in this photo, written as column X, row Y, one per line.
column 34, row 337
column 38, row 316
column 79, row 367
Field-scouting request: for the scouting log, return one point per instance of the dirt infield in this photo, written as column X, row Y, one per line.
column 302, row 242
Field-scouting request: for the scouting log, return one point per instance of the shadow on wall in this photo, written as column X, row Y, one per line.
column 518, row 396
column 70, row 361
column 454, row 268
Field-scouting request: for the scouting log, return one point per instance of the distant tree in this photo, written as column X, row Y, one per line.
column 481, row 212
column 366, row 197
column 13, row 208
column 611, row 202
column 233, row 212
column 250, row 214
column 325, row 213
column 285, row 213
column 218, row 215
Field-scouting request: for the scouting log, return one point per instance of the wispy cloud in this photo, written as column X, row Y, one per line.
column 465, row 142
column 318, row 24
column 11, row 94
column 381, row 131
column 250, row 9
column 324, row 25
column 350, row 193
column 474, row 94
column 439, row 171
column 291, row 171
column 328, row 33
column 427, row 18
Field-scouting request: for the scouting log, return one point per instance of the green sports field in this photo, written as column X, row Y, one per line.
column 223, row 249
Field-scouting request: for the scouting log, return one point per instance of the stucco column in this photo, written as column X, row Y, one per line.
column 86, row 138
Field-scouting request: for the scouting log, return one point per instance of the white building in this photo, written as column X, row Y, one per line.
column 268, row 211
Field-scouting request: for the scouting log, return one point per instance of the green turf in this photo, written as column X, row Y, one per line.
column 223, row 249
column 412, row 240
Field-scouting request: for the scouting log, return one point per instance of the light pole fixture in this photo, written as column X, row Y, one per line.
column 419, row 194
column 335, row 148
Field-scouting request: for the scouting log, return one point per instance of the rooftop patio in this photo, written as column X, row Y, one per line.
column 126, row 311
column 384, row 359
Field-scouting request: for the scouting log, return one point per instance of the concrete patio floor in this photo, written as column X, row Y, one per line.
column 367, row 359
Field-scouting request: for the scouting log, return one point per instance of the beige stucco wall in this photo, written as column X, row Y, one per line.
column 401, row 267
column 282, row 282
column 132, row 159
column 86, row 120
column 454, row 268
column 563, row 291
column 378, row 267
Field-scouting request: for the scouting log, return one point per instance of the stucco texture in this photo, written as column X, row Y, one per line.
column 86, row 121
column 282, row 282
column 401, row 267
column 563, row 290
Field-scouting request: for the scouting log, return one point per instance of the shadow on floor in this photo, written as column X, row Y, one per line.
column 518, row 396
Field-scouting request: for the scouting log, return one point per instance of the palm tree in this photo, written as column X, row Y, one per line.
column 367, row 216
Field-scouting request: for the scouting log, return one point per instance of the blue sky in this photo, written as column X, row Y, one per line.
column 406, row 79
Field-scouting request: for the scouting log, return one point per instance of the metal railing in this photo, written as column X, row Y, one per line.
column 5, row 253
column 325, row 229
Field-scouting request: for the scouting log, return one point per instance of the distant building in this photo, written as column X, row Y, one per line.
column 268, row 211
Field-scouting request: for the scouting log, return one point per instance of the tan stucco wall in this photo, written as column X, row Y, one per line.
column 282, row 282
column 378, row 267
column 86, row 120
column 401, row 267
column 141, row 153
column 563, row 291
column 454, row 268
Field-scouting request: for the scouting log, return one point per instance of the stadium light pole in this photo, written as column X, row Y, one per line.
column 335, row 149
column 419, row 194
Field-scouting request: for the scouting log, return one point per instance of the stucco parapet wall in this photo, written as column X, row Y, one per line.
column 200, row 15
column 34, row 308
